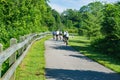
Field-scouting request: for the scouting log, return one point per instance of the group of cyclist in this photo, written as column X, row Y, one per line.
column 59, row 35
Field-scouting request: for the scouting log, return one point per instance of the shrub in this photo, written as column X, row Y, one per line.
column 107, row 46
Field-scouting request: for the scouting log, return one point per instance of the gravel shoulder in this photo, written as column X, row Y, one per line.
column 64, row 63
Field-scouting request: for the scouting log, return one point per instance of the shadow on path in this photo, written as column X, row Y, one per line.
column 63, row 74
column 64, row 47
column 81, row 57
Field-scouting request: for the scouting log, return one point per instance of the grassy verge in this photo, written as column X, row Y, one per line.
column 82, row 44
column 33, row 65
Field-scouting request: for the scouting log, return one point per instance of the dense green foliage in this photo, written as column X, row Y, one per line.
column 21, row 17
column 71, row 18
column 91, row 19
column 111, row 30
column 99, row 22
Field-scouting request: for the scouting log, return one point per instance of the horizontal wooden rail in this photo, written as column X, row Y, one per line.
column 6, row 54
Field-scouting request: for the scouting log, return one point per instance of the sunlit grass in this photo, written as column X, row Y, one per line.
column 33, row 65
column 82, row 44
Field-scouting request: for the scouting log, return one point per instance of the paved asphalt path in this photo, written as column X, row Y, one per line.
column 64, row 63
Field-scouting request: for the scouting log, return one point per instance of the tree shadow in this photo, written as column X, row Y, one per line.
column 59, row 45
column 95, row 55
column 64, row 47
column 63, row 74
column 83, row 48
column 78, row 41
column 82, row 57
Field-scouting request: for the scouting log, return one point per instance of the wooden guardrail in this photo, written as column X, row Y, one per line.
column 16, row 49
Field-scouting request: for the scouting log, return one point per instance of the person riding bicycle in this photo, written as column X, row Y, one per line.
column 54, row 34
column 66, row 37
column 60, row 35
column 57, row 35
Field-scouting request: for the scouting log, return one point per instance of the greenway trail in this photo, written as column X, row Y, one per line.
column 64, row 63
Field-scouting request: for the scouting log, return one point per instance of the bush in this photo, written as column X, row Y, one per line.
column 108, row 46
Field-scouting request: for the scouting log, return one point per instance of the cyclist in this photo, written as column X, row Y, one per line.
column 66, row 37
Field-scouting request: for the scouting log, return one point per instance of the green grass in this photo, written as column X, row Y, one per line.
column 82, row 44
column 33, row 65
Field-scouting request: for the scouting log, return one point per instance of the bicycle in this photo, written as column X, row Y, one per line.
column 66, row 40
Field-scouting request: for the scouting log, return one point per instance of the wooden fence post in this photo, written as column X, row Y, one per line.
column 1, row 49
column 23, row 48
column 12, row 59
column 20, row 51
column 13, row 56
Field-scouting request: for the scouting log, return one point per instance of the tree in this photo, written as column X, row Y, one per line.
column 110, row 43
column 92, row 17
column 57, row 18
column 21, row 17
column 111, row 25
